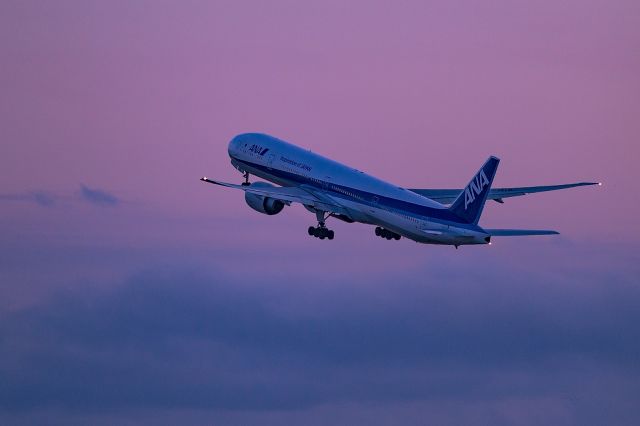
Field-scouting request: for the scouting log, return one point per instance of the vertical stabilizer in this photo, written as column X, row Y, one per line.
column 469, row 204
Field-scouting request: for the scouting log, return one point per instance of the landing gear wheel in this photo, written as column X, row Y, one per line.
column 386, row 234
column 321, row 232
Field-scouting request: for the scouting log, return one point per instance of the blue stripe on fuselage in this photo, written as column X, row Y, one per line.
column 366, row 198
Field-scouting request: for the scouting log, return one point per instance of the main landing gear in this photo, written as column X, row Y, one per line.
column 321, row 231
column 385, row 233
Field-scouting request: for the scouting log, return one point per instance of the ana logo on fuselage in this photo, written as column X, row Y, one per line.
column 475, row 188
column 257, row 149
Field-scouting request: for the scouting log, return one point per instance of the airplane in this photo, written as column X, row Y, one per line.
column 331, row 189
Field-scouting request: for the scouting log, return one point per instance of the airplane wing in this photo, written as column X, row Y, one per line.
column 517, row 232
column 448, row 196
column 289, row 194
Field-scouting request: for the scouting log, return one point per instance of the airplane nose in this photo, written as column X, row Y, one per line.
column 233, row 146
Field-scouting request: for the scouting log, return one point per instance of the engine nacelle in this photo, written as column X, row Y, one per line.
column 264, row 205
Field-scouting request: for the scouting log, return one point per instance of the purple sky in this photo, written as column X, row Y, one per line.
column 132, row 292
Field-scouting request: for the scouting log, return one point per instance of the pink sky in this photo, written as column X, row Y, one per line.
column 114, row 94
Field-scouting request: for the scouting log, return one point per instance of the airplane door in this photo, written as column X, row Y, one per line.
column 375, row 201
column 270, row 157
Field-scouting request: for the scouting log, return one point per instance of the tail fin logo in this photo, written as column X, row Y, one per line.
column 475, row 188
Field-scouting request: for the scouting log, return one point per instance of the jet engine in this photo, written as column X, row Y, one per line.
column 264, row 205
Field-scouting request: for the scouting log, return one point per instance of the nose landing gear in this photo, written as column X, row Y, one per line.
column 385, row 233
column 246, row 182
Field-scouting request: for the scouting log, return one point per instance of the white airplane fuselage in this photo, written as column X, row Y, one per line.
column 366, row 198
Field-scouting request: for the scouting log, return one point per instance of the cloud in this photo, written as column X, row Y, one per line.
column 42, row 198
column 97, row 196
column 182, row 339
column 46, row 198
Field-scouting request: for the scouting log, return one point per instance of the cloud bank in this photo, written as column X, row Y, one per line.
column 179, row 339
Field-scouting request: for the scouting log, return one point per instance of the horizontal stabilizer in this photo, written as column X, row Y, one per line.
column 518, row 232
